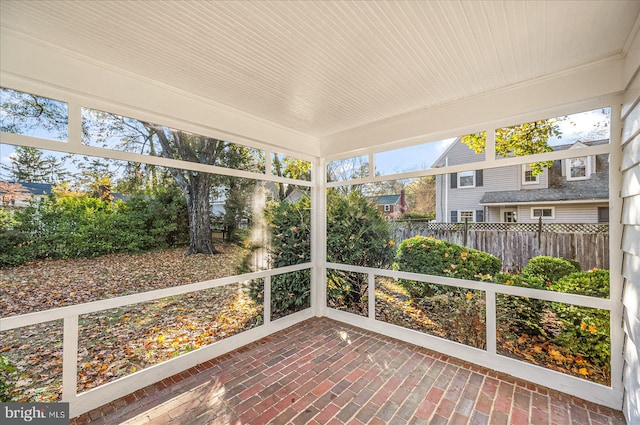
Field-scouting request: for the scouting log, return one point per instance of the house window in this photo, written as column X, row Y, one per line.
column 462, row 215
column 548, row 212
column 578, row 168
column 467, row 179
column 509, row 216
column 528, row 177
column 603, row 214
column 387, row 208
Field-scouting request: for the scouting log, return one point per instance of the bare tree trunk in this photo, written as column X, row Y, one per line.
column 198, row 206
column 195, row 185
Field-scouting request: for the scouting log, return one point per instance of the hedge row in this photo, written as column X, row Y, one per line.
column 73, row 227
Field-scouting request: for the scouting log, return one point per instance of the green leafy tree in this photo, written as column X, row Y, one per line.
column 197, row 187
column 31, row 165
column 292, row 168
column 96, row 176
column 238, row 192
column 519, row 140
column 72, row 226
column 385, row 187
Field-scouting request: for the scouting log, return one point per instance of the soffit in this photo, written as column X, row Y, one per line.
column 325, row 67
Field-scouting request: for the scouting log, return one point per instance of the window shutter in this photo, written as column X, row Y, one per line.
column 479, row 216
column 478, row 178
column 454, row 180
column 454, row 216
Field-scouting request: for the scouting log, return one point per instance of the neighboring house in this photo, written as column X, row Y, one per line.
column 26, row 191
column 571, row 191
column 391, row 206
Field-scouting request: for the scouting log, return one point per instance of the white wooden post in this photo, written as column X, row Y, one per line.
column 372, row 296
column 318, row 240
column 70, row 358
column 490, row 318
column 267, row 300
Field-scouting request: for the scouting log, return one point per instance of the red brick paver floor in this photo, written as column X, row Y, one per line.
column 324, row 372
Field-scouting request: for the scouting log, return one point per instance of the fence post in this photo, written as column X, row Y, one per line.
column 466, row 230
column 539, row 232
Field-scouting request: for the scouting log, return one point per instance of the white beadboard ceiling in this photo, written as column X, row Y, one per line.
column 322, row 67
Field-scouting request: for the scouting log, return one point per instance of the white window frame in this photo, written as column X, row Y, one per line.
column 466, row 174
column 472, row 218
column 387, row 208
column 587, row 168
column 525, row 168
column 552, row 216
column 508, row 210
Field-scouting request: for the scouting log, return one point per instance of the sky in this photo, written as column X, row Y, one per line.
column 590, row 125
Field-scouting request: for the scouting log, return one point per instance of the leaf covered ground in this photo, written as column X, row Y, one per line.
column 464, row 323
column 117, row 342
column 41, row 285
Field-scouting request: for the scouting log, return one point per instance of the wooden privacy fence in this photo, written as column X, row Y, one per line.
column 516, row 243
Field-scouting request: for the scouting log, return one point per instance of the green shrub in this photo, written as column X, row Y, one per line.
column 169, row 217
column 240, row 236
column 593, row 283
column 7, row 219
column 290, row 228
column 357, row 235
column 520, row 314
column 418, row 216
column 549, row 268
column 290, row 292
column 15, row 248
column 72, row 226
column 427, row 255
column 585, row 331
column 347, row 291
column 8, row 375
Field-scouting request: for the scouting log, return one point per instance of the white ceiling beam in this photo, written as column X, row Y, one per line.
column 532, row 100
column 28, row 60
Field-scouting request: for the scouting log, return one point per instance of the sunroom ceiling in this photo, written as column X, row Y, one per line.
column 325, row 67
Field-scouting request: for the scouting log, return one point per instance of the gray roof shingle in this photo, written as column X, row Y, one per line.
column 597, row 187
column 386, row 199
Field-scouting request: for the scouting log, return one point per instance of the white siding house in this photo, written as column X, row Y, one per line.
column 631, row 247
column 571, row 191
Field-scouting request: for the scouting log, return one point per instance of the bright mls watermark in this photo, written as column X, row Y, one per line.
column 34, row 413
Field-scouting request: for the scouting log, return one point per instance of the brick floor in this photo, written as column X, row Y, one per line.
column 330, row 373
